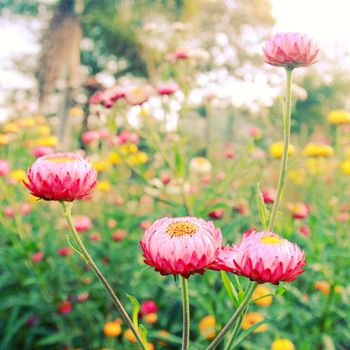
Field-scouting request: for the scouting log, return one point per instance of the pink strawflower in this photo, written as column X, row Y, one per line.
column 148, row 307
column 37, row 257
column 291, row 50
column 217, row 214
column 181, row 246
column 90, row 136
column 82, row 223
column 65, row 251
column 137, row 95
column 5, row 167
column 167, row 89
column 263, row 257
column 61, row 177
column 128, row 136
column 269, row 195
column 40, row 151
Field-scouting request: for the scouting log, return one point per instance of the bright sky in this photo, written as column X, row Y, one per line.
column 325, row 20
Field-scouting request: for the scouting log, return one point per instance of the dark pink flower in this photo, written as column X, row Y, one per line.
column 37, row 257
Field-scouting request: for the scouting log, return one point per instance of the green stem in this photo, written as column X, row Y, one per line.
column 185, row 314
column 286, row 140
column 67, row 207
column 234, row 318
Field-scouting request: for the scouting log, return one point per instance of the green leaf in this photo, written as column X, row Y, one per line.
column 135, row 312
column 280, row 290
column 231, row 291
column 250, row 330
column 143, row 331
column 179, row 162
column 263, row 211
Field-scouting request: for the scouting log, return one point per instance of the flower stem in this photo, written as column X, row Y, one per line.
column 185, row 314
column 67, row 207
column 286, row 140
column 234, row 318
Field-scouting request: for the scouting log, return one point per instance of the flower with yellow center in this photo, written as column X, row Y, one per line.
column 207, row 327
column 318, row 150
column 114, row 158
column 48, row 141
column 282, row 344
column 18, row 175
column 251, row 318
column 276, row 149
column 345, row 167
column 112, row 328
column 263, row 294
column 103, row 186
column 200, row 166
column 338, row 117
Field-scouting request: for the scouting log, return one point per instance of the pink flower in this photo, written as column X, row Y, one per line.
column 5, row 167
column 65, row 307
column 25, row 208
column 184, row 245
column 305, row 230
column 82, row 297
column 119, row 235
column 61, row 177
column 37, row 257
column 290, row 50
column 90, row 136
column 167, row 89
column 65, row 251
column 95, row 237
column 82, row 223
column 40, row 151
column 217, row 214
column 9, row 212
column 300, row 210
column 269, row 195
column 148, row 307
column 263, row 257
column 137, row 95
column 97, row 97
column 128, row 136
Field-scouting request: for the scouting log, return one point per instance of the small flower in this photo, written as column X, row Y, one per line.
column 151, row 318
column 338, row 117
column 263, row 257
column 82, row 297
column 167, row 89
column 217, row 214
column 323, row 286
column 207, row 327
column 103, row 186
column 345, row 167
column 112, row 328
column 61, row 177
column 90, row 136
column 40, row 151
column 17, row 176
column 37, row 257
column 318, row 150
column 137, row 95
column 82, row 223
column 268, row 195
column 65, row 307
column 148, row 307
column 305, row 230
column 5, row 167
column 300, row 210
column 184, row 245
column 119, row 235
column 129, row 335
column 200, row 166
column 65, row 251
column 276, row 150
column 282, row 344
column 251, row 318
column 291, row 50
column 263, row 294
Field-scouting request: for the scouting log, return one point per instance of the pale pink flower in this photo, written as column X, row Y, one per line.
column 90, row 136
column 61, row 177
column 82, row 223
column 181, row 246
column 269, row 195
column 137, row 95
column 290, row 50
column 5, row 167
column 37, row 257
column 263, row 257
column 168, row 89
column 40, row 151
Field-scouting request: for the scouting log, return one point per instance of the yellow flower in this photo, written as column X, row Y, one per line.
column 26, row 122
column 103, row 186
column 251, row 318
column 151, row 318
column 4, row 139
column 40, row 119
column 76, row 112
column 11, row 128
column 129, row 335
column 112, row 328
column 100, row 166
column 347, row 152
column 318, row 150
column 48, row 141
column 338, row 116
column 43, row 130
column 207, row 327
column 345, row 167
column 323, row 286
column 297, row 176
column 139, row 158
column 317, row 166
column 18, row 175
column 260, row 292
column 114, row 158
column 282, row 344
column 276, row 149
column 128, row 148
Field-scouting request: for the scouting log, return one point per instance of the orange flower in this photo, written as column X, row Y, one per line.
column 129, row 335
column 260, row 292
column 113, row 328
column 251, row 318
column 207, row 327
column 323, row 287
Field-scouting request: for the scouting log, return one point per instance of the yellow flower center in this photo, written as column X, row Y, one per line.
column 273, row 240
column 181, row 228
column 60, row 159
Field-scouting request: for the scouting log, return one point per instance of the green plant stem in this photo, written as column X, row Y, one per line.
column 286, row 140
column 234, row 318
column 185, row 314
column 67, row 208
